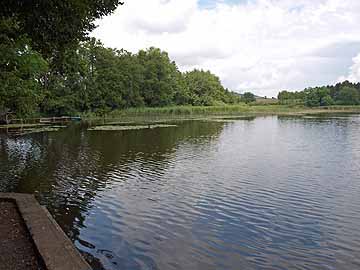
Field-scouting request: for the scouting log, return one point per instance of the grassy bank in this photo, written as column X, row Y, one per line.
column 193, row 111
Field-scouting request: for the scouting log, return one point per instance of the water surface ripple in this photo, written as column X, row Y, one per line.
column 261, row 193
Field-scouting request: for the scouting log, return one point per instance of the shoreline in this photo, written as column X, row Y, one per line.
column 160, row 114
column 204, row 111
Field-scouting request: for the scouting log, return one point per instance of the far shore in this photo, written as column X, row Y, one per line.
column 161, row 114
column 242, row 109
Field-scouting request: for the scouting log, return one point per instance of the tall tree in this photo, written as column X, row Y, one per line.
column 21, row 69
column 160, row 77
column 52, row 25
column 205, row 88
column 248, row 97
column 348, row 96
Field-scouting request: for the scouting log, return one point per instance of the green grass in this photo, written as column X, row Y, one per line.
column 165, row 114
column 229, row 110
column 197, row 110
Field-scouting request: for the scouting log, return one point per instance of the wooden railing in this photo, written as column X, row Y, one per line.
column 43, row 120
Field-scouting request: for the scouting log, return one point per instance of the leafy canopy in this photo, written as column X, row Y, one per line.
column 52, row 25
column 345, row 93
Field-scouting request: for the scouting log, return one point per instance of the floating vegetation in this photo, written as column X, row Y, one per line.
column 138, row 122
column 240, row 117
column 18, row 126
column 44, row 129
column 121, row 128
column 228, row 119
column 220, row 120
column 26, row 131
column 327, row 116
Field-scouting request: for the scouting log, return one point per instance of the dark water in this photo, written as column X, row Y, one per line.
column 264, row 193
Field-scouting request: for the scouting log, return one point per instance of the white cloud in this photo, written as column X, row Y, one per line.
column 354, row 71
column 259, row 45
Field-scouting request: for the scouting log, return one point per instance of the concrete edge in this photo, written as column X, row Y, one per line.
column 54, row 247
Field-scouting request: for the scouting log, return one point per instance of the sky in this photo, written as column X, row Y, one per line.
column 262, row 46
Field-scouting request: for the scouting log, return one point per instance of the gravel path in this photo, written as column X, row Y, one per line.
column 16, row 249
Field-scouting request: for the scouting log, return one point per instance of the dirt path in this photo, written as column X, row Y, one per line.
column 16, row 249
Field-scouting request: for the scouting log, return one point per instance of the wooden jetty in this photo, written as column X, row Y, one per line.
column 62, row 120
column 58, row 120
column 18, row 126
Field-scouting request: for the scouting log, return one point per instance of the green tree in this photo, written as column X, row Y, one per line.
column 67, row 91
column 318, row 96
column 248, row 97
column 21, row 70
column 287, row 97
column 348, row 96
column 231, row 97
column 205, row 88
column 327, row 101
column 345, row 93
column 160, row 77
column 40, row 61
column 52, row 25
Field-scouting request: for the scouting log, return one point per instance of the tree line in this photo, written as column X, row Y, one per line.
column 93, row 78
column 99, row 79
column 49, row 65
column 345, row 93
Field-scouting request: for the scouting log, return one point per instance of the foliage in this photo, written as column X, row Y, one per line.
column 53, row 25
column 291, row 98
column 21, row 69
column 345, row 93
column 327, row 101
column 284, row 95
column 160, row 77
column 40, row 67
column 348, row 96
column 248, row 97
column 205, row 89
column 92, row 78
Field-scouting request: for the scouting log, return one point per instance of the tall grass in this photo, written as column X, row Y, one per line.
column 201, row 111
column 205, row 110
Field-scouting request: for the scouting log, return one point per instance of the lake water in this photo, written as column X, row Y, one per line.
column 257, row 193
